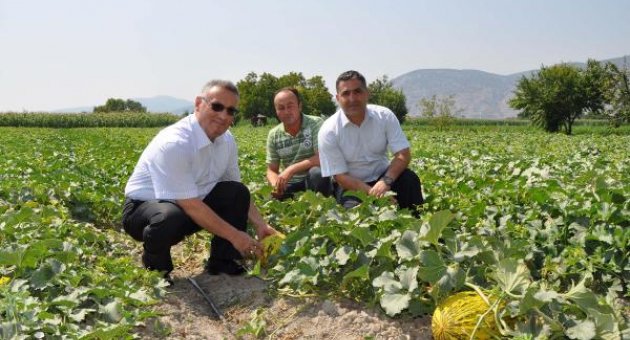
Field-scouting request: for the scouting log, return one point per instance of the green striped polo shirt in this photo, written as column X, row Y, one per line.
column 284, row 149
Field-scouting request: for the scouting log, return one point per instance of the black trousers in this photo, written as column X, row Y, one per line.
column 313, row 181
column 162, row 224
column 407, row 188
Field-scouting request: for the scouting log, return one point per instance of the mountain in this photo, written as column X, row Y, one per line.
column 166, row 104
column 77, row 109
column 477, row 93
column 157, row 104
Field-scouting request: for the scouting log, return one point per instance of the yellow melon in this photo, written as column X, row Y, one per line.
column 271, row 245
column 457, row 316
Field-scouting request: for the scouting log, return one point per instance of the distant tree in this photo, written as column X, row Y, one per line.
column 617, row 94
column 382, row 92
column 441, row 111
column 120, row 105
column 257, row 94
column 317, row 100
column 295, row 79
column 558, row 95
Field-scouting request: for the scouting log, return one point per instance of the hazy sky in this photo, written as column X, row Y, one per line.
column 66, row 53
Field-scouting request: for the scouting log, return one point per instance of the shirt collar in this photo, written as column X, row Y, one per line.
column 301, row 124
column 201, row 140
column 345, row 120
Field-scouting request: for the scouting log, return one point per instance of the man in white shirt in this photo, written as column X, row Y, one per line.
column 353, row 146
column 187, row 179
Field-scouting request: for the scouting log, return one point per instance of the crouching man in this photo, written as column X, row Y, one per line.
column 292, row 155
column 188, row 179
column 353, row 146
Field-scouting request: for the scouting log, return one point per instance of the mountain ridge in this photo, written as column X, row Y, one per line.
column 477, row 94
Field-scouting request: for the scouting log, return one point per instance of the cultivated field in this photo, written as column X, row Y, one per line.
column 540, row 223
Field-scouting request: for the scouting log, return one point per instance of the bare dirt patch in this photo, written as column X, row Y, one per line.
column 250, row 310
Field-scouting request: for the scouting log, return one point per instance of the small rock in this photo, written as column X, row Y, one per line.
column 330, row 308
column 375, row 328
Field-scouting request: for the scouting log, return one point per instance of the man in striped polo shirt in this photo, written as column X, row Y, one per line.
column 292, row 147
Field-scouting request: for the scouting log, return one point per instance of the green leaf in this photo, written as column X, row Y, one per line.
column 583, row 297
column 394, row 303
column 529, row 303
column 387, row 282
column 342, row 255
column 363, row 235
column 141, row 295
column 11, row 257
column 467, row 251
column 418, row 307
column 385, row 250
column 409, row 278
column 512, row 276
column 80, row 314
column 546, row 296
column 433, row 267
column 407, row 246
column 359, row 273
column 437, row 223
column 387, row 215
column 69, row 301
column 42, row 276
column 111, row 311
column 453, row 278
column 606, row 324
column 583, row 330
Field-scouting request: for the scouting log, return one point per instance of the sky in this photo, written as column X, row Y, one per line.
column 68, row 53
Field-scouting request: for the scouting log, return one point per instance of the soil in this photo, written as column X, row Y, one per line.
column 250, row 310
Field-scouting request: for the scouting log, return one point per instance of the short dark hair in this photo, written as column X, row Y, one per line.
column 225, row 84
column 289, row 89
column 348, row 75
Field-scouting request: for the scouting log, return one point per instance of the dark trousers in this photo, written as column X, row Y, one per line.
column 161, row 224
column 313, row 181
column 407, row 188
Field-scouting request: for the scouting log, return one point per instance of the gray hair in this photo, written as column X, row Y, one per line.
column 225, row 84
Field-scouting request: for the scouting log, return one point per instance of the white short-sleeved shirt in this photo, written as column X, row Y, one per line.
column 360, row 151
column 181, row 162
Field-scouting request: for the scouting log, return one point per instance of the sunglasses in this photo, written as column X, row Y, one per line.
column 218, row 107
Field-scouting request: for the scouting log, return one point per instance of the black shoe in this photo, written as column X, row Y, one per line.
column 218, row 266
column 168, row 280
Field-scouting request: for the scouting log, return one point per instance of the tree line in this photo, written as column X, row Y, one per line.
column 256, row 96
column 257, row 92
column 553, row 98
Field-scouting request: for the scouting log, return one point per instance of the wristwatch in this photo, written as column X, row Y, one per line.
column 387, row 180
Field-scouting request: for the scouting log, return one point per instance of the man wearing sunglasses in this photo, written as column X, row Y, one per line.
column 187, row 179
column 292, row 147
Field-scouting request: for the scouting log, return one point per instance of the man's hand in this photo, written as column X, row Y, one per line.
column 279, row 180
column 379, row 189
column 247, row 246
column 282, row 181
column 265, row 231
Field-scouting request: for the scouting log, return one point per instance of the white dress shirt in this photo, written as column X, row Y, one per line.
column 181, row 162
column 360, row 151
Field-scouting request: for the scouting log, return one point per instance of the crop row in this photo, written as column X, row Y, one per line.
column 75, row 120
